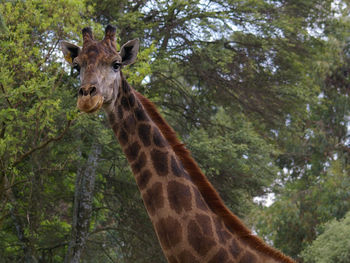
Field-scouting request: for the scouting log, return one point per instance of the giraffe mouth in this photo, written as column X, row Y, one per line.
column 90, row 104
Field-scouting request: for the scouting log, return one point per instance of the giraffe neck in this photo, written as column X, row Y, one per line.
column 187, row 229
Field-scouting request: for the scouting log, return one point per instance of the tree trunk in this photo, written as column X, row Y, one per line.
column 28, row 253
column 84, row 187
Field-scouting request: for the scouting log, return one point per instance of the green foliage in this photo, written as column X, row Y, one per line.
column 292, row 222
column 3, row 28
column 333, row 245
column 257, row 89
column 234, row 154
column 313, row 187
column 36, row 110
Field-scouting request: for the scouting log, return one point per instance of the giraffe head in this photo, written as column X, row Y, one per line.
column 99, row 64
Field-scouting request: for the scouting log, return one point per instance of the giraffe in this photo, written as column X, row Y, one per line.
column 191, row 221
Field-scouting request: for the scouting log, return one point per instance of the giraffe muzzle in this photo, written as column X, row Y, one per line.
column 89, row 100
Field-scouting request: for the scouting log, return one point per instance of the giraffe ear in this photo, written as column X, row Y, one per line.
column 70, row 51
column 129, row 51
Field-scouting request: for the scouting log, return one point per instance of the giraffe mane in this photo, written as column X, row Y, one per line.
column 206, row 189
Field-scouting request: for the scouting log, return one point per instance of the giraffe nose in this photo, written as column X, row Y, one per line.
column 88, row 90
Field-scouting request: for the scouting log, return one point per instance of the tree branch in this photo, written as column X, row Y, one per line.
column 3, row 90
column 57, row 138
column 83, row 196
column 53, row 47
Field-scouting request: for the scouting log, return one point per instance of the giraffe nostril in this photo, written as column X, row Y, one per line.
column 93, row 91
column 80, row 92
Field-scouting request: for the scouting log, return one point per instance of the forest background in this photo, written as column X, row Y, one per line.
column 257, row 89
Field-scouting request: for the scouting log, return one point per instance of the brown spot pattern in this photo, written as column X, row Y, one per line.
column 205, row 224
column 248, row 257
column 223, row 235
column 234, row 248
column 125, row 103
column 199, row 200
column 187, row 257
column 175, row 168
column 153, row 198
column 200, row 243
column 140, row 114
column 158, row 138
column 160, row 162
column 125, row 86
column 131, row 100
column 92, row 50
column 123, row 137
column 186, row 175
column 120, row 112
column 130, row 124
column 143, row 179
column 221, row 256
column 179, row 196
column 139, row 164
column 144, row 131
column 173, row 259
column 169, row 232
column 132, row 151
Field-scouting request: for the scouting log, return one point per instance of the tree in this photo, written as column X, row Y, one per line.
column 332, row 245
column 313, row 185
column 294, row 220
column 254, row 62
column 257, row 90
column 35, row 113
column 82, row 211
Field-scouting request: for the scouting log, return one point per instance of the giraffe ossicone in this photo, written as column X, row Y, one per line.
column 190, row 219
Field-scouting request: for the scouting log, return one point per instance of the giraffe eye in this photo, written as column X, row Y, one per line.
column 76, row 66
column 116, row 65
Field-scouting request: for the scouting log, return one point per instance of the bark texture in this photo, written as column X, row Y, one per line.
column 84, row 190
